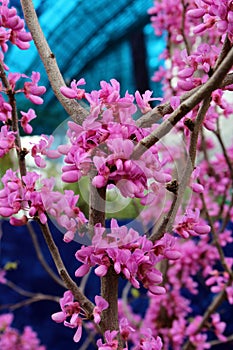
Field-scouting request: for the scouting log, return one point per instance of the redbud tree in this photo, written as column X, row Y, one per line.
column 172, row 163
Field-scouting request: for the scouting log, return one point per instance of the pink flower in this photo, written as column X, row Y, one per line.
column 10, row 338
column 42, row 148
column 5, row 110
column 148, row 342
column 111, row 343
column 10, row 195
column 14, row 28
column 26, row 118
column 7, row 140
column 229, row 291
column 74, row 91
column 31, row 89
column 143, row 100
column 101, row 304
column 219, row 326
column 71, row 310
column 190, row 225
column 125, row 328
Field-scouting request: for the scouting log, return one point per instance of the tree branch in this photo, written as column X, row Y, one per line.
column 15, row 127
column 85, row 303
column 41, row 257
column 157, row 113
column 109, row 282
column 34, row 299
column 212, row 84
column 211, row 309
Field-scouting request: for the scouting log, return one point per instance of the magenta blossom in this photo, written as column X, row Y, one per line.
column 26, row 118
column 132, row 256
column 71, row 310
column 74, row 91
column 144, row 99
column 111, row 343
column 43, row 148
column 7, row 140
column 11, row 338
column 31, row 89
column 13, row 28
column 190, row 224
column 101, row 304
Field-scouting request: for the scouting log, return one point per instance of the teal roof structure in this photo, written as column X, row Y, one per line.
column 96, row 40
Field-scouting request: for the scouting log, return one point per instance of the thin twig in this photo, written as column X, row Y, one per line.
column 85, row 303
column 15, row 127
column 158, row 232
column 217, row 342
column 18, row 289
column 229, row 163
column 215, row 238
column 40, row 256
column 220, row 140
column 189, row 165
column 34, row 299
column 217, row 301
column 183, row 27
column 84, row 281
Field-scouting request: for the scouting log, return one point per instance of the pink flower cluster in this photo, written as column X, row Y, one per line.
column 5, row 109
column 31, row 90
column 215, row 177
column 132, row 256
column 10, row 338
column 168, row 314
column 167, row 15
column 201, row 60
column 43, row 149
column 105, row 143
column 12, row 28
column 199, row 339
column 191, row 66
column 219, row 281
column 190, row 224
column 217, row 13
column 72, row 311
column 111, row 341
column 23, row 195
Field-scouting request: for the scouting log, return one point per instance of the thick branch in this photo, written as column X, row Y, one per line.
column 109, row 283
column 73, row 108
